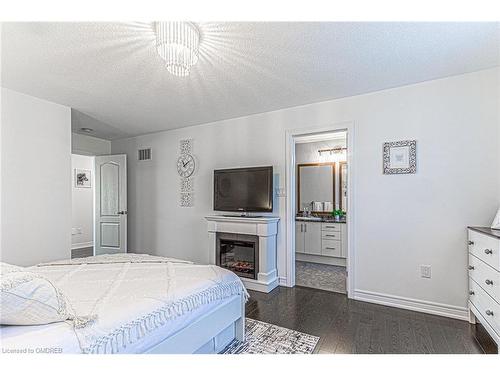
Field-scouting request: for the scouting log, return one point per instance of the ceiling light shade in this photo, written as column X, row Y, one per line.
column 178, row 44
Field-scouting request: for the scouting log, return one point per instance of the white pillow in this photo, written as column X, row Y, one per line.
column 29, row 299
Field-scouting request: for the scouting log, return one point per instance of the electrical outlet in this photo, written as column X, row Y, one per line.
column 425, row 271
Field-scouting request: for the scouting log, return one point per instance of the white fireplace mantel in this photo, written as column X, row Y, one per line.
column 266, row 228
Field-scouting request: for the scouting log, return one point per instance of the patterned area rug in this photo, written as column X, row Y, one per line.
column 321, row 276
column 265, row 338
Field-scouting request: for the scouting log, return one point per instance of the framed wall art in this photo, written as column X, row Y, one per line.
column 83, row 178
column 400, row 157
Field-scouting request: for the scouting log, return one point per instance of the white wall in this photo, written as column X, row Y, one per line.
column 86, row 145
column 82, row 212
column 36, row 168
column 401, row 221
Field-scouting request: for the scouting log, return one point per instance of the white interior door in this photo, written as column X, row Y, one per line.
column 110, row 204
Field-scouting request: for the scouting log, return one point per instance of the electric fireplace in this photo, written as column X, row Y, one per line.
column 238, row 253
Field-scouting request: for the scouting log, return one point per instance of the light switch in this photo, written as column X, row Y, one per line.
column 281, row 192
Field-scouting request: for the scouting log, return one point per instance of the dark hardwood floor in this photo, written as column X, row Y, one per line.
column 348, row 326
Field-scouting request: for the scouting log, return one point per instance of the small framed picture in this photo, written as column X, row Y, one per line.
column 400, row 157
column 83, row 178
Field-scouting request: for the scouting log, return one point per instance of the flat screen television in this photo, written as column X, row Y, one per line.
column 243, row 189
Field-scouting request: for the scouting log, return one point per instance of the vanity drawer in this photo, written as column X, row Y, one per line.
column 331, row 248
column 485, row 248
column 485, row 276
column 330, row 227
column 331, row 236
column 488, row 308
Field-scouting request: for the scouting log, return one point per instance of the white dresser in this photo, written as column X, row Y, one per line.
column 484, row 279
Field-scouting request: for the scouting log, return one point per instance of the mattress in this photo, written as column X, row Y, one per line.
column 131, row 305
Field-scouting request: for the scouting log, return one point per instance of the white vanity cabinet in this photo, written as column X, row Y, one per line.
column 299, row 237
column 320, row 241
column 308, row 237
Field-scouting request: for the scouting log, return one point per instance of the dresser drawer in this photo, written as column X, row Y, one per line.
column 332, row 248
column 485, row 247
column 485, row 276
column 487, row 307
column 331, row 236
column 330, row 227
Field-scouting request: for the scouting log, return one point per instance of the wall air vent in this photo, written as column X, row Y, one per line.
column 144, row 154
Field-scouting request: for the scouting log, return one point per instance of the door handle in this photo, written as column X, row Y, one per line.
column 121, row 213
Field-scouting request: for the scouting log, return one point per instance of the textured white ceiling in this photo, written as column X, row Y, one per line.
column 111, row 72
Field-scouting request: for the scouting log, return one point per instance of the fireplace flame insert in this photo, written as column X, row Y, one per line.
column 238, row 253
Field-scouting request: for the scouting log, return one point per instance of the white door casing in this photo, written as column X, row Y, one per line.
column 110, row 234
column 290, row 137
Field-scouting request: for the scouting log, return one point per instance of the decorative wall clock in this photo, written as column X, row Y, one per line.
column 186, row 166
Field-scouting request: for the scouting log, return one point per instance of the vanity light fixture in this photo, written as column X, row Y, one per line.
column 335, row 150
column 334, row 154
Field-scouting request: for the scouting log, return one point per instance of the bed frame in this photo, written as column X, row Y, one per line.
column 210, row 333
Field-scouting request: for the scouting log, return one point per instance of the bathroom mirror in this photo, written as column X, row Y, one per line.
column 315, row 183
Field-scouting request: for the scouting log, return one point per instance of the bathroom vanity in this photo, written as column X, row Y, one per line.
column 320, row 240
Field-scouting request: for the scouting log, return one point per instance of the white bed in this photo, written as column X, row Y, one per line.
column 137, row 304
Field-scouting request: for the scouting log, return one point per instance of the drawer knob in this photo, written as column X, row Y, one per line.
column 489, row 312
column 488, row 251
column 471, row 292
column 488, row 282
column 471, row 268
column 471, row 243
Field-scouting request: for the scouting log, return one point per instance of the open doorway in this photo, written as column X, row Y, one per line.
column 320, row 208
column 82, row 214
column 99, row 205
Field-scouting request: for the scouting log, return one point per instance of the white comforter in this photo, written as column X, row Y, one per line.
column 127, row 299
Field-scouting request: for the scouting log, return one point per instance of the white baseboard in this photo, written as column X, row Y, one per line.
column 428, row 307
column 81, row 245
